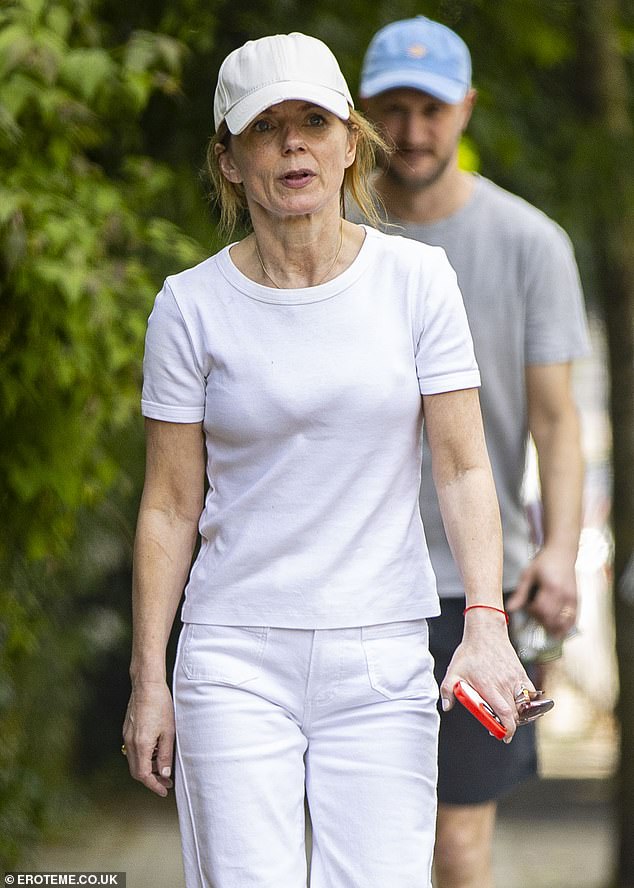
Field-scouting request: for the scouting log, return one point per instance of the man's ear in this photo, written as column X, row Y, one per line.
column 468, row 103
column 227, row 165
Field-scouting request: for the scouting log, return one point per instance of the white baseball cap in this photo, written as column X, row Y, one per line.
column 273, row 69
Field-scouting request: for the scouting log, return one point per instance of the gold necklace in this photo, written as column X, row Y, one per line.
column 332, row 264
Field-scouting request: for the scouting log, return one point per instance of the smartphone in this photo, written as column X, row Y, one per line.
column 529, row 708
column 479, row 707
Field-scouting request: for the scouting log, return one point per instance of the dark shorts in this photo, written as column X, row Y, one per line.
column 473, row 767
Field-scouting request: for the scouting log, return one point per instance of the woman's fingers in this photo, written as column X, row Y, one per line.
column 143, row 759
column 163, row 758
column 447, row 696
column 517, row 689
column 506, row 712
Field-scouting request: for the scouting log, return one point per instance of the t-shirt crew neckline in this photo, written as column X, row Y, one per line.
column 300, row 295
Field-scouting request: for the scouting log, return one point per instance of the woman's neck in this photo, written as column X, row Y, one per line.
column 298, row 252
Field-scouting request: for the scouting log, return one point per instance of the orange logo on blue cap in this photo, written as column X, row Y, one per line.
column 416, row 51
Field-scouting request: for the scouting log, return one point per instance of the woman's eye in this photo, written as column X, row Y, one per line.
column 316, row 120
column 261, row 126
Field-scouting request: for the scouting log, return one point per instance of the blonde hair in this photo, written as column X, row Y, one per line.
column 357, row 181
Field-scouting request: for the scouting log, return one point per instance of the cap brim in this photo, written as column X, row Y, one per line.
column 248, row 108
column 450, row 91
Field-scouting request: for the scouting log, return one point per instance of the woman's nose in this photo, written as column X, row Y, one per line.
column 292, row 139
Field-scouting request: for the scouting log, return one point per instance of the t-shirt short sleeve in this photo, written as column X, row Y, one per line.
column 556, row 329
column 173, row 380
column 445, row 358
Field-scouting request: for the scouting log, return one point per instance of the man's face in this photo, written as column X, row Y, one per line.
column 424, row 131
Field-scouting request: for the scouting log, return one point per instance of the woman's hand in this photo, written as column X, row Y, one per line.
column 485, row 658
column 148, row 734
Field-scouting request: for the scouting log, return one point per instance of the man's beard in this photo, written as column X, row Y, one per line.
column 415, row 183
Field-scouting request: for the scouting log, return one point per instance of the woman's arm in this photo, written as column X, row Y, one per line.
column 167, row 527
column 469, row 508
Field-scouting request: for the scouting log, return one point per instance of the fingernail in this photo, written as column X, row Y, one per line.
column 444, row 702
column 165, row 772
column 507, row 739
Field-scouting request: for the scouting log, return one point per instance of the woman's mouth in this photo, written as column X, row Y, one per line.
column 297, row 178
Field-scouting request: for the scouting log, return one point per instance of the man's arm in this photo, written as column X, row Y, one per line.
column 554, row 424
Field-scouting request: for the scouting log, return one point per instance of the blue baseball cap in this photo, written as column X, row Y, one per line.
column 420, row 54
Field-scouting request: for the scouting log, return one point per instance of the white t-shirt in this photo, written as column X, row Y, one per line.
column 312, row 412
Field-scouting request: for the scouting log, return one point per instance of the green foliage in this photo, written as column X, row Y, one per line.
column 82, row 252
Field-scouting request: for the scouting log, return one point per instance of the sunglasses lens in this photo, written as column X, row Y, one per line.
column 533, row 709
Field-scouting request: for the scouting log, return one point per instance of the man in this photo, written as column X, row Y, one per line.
column 521, row 289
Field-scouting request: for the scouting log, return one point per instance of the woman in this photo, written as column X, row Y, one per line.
column 303, row 358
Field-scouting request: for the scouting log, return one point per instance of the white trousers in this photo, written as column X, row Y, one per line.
column 345, row 718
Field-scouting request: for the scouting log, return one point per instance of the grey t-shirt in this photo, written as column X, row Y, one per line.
column 521, row 290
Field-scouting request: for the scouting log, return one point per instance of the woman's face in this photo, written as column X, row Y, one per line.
column 290, row 160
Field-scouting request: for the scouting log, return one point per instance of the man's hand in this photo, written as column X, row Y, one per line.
column 547, row 589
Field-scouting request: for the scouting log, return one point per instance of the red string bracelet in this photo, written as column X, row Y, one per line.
column 487, row 607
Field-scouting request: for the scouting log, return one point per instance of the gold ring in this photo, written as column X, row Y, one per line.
column 523, row 695
column 124, row 751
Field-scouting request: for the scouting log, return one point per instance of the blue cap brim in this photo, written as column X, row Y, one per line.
column 443, row 88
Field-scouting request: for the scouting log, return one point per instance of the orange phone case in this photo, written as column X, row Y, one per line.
column 479, row 707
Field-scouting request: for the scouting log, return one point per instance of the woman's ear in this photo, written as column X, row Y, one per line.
column 351, row 148
column 226, row 163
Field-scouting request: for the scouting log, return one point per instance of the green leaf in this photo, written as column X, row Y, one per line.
column 15, row 45
column 59, row 20
column 87, row 71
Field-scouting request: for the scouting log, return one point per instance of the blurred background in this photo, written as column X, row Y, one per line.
column 105, row 112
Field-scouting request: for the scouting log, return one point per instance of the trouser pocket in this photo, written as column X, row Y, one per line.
column 398, row 659
column 227, row 655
